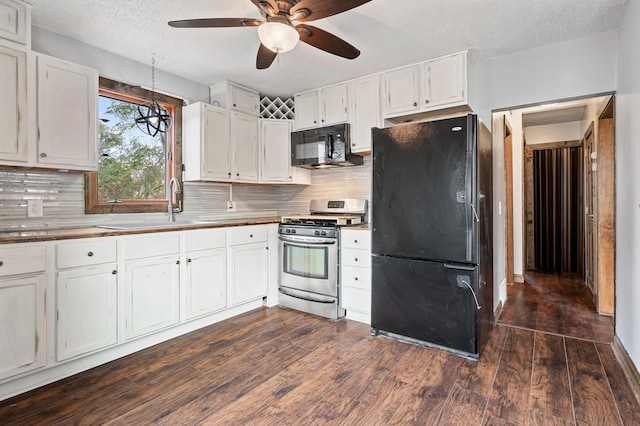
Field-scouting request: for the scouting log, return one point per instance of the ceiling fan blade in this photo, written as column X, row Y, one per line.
column 318, row 9
column 216, row 23
column 326, row 41
column 269, row 7
column 265, row 57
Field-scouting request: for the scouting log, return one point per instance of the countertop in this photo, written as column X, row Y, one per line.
column 54, row 234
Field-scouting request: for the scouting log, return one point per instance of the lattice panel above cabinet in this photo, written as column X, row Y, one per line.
column 277, row 108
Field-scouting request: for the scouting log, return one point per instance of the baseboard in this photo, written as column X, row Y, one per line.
column 517, row 278
column 628, row 366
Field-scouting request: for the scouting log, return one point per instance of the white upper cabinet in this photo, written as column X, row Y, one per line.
column 307, row 114
column 439, row 84
column 445, row 81
column 333, row 105
column 66, row 114
column 234, row 97
column 15, row 23
column 13, row 105
column 244, row 143
column 402, row 90
column 206, row 142
column 364, row 111
column 322, row 107
column 275, row 153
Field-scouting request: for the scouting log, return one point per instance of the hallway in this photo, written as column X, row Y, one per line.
column 556, row 303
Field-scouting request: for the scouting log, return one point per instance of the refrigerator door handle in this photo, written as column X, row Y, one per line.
column 468, row 172
column 460, row 267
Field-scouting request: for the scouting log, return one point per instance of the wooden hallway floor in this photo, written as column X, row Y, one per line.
column 556, row 303
column 280, row 367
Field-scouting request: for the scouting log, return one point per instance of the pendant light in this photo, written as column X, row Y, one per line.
column 152, row 118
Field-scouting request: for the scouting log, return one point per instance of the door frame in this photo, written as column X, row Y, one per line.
column 508, row 221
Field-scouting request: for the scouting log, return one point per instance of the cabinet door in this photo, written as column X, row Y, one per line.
column 275, row 140
column 444, row 81
column 67, row 104
column 216, row 144
column 206, row 284
column 306, row 105
column 23, row 325
column 13, row 105
column 333, row 101
column 247, row 272
column 244, row 137
column 86, row 301
column 244, row 100
column 14, row 22
column 364, row 111
column 402, row 90
column 151, row 295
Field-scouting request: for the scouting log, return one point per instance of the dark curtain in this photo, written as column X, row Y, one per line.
column 558, row 230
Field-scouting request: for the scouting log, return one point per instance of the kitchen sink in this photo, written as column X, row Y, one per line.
column 125, row 226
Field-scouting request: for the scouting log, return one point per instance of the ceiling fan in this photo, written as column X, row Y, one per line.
column 278, row 33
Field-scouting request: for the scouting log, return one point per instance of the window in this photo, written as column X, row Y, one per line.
column 134, row 169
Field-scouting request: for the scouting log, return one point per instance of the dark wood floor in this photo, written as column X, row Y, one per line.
column 281, row 367
column 556, row 303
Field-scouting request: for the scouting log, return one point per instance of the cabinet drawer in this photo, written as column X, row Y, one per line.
column 356, row 298
column 356, row 239
column 204, row 240
column 353, row 276
column 355, row 257
column 247, row 234
column 22, row 260
column 150, row 245
column 92, row 252
column 13, row 21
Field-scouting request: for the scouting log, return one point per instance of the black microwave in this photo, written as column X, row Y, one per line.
column 323, row 147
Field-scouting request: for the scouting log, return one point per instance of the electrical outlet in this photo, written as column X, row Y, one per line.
column 34, row 208
column 231, row 206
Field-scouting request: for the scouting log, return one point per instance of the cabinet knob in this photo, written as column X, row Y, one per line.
column 356, row 259
column 314, row 121
column 234, row 105
column 90, row 254
column 237, row 174
column 415, row 104
column 426, row 101
column 229, row 174
column 114, row 272
column 43, row 154
column 250, row 235
column 1, row 263
column 355, row 241
column 353, row 144
column 177, row 262
column 188, row 260
column 355, row 278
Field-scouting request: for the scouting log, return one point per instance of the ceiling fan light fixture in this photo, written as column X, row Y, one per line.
column 278, row 36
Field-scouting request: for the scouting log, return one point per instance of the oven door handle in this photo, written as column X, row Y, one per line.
column 307, row 240
column 307, row 297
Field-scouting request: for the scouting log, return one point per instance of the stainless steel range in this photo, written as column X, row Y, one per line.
column 308, row 254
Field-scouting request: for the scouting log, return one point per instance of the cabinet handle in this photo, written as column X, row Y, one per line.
column 90, row 254
column 114, row 272
column 177, row 262
column 415, row 104
column 43, row 154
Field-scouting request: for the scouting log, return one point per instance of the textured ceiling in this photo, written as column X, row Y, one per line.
column 389, row 33
column 556, row 115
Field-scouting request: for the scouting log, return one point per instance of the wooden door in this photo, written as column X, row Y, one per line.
column 590, row 210
column 508, row 208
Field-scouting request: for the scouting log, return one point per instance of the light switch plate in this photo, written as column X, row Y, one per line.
column 34, row 208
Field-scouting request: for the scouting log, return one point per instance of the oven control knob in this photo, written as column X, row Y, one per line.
column 287, row 230
column 293, row 231
column 317, row 232
column 324, row 232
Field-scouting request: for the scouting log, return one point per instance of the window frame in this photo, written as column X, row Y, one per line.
column 174, row 150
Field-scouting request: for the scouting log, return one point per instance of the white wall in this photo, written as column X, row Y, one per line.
column 571, row 69
column 628, row 184
column 116, row 67
column 560, row 132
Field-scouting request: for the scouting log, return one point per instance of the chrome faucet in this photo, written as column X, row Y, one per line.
column 174, row 192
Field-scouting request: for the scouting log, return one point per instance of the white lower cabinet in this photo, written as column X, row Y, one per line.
column 86, row 317
column 23, row 324
column 205, row 276
column 151, row 295
column 355, row 273
column 247, row 263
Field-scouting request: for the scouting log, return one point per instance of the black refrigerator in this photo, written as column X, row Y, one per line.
column 432, row 261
